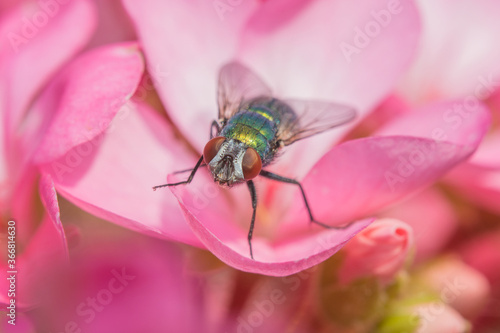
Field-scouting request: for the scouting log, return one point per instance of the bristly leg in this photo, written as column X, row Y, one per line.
column 253, row 194
column 190, row 178
column 279, row 178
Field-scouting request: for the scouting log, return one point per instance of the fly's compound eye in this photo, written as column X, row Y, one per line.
column 212, row 148
column 251, row 164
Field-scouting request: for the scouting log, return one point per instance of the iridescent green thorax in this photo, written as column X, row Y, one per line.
column 256, row 125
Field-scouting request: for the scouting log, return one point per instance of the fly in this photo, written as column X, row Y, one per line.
column 251, row 128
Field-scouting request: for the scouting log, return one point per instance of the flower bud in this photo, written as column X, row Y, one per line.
column 380, row 250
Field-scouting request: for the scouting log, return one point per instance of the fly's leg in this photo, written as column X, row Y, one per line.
column 253, row 194
column 279, row 178
column 215, row 126
column 190, row 178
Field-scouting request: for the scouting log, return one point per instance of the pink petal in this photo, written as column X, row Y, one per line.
column 215, row 228
column 137, row 275
column 5, row 181
column 23, row 324
column 478, row 184
column 464, row 122
column 479, row 179
column 112, row 176
column 94, row 87
column 459, row 121
column 392, row 107
column 297, row 47
column 458, row 53
column 319, row 68
column 6, row 4
column 43, row 252
column 29, row 56
column 483, row 254
column 360, row 177
column 38, row 40
column 186, row 42
column 114, row 24
column 487, row 155
column 25, row 195
column 215, row 218
column 49, row 199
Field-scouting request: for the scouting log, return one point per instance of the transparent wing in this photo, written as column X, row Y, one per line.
column 313, row 117
column 237, row 83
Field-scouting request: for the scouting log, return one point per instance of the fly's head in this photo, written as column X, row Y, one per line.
column 230, row 161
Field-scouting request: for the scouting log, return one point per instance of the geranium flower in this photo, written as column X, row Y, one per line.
column 105, row 150
column 27, row 199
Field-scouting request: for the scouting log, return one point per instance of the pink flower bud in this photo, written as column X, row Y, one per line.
column 380, row 250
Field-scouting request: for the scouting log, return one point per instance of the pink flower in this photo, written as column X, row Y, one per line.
column 33, row 49
column 105, row 150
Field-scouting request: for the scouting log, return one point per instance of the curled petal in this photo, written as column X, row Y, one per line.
column 86, row 97
column 45, row 251
column 213, row 218
column 112, row 175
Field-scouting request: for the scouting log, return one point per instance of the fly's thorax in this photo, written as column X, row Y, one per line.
column 256, row 125
column 227, row 166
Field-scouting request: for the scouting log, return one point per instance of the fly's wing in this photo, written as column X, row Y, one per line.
column 313, row 117
column 237, row 83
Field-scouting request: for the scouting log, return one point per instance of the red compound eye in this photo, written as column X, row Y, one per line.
column 212, row 148
column 251, row 164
